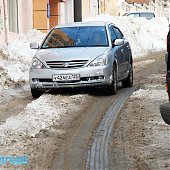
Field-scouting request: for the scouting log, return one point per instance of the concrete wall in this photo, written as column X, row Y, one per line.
column 86, row 7
column 66, row 12
column 25, row 17
column 90, row 8
column 25, row 20
column 109, row 7
column 40, row 20
column 2, row 32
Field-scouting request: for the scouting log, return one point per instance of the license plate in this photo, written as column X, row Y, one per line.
column 66, row 77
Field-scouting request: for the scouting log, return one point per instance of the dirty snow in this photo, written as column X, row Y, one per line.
column 40, row 114
column 141, row 134
column 142, row 64
column 150, row 94
column 15, row 60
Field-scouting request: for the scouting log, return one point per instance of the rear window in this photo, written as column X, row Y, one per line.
column 147, row 15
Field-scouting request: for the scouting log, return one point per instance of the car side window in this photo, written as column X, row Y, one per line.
column 118, row 33
column 136, row 15
column 147, row 15
column 112, row 33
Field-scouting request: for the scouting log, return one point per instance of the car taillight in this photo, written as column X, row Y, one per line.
column 166, row 87
column 167, row 91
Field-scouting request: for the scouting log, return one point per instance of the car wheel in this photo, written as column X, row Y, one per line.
column 129, row 81
column 165, row 112
column 36, row 93
column 112, row 89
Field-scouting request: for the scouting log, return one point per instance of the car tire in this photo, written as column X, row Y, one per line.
column 112, row 89
column 165, row 112
column 129, row 81
column 36, row 93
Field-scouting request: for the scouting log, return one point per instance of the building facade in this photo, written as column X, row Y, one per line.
column 156, row 6
column 20, row 16
column 16, row 16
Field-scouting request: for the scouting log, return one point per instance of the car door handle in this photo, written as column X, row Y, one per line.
column 122, row 50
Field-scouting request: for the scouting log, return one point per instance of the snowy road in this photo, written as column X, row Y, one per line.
column 56, row 131
column 73, row 155
column 98, row 154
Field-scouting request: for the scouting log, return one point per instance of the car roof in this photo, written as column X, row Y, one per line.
column 83, row 24
column 134, row 12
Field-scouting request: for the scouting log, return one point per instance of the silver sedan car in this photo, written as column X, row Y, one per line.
column 79, row 55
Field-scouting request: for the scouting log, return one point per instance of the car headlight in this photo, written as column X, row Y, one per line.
column 36, row 64
column 99, row 61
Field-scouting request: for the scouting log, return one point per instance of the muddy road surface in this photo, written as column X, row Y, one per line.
column 129, row 140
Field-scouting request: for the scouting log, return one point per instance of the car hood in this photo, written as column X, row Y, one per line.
column 74, row 53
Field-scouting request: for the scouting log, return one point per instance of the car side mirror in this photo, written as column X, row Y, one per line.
column 34, row 45
column 118, row 42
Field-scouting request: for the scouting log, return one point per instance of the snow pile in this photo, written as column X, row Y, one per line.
column 39, row 115
column 144, row 35
column 20, row 48
column 16, row 57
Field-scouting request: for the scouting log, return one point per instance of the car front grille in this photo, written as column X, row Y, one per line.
column 66, row 64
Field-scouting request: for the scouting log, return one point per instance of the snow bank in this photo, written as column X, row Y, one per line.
column 39, row 115
column 144, row 35
column 16, row 57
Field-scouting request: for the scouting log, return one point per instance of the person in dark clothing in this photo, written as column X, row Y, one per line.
column 168, row 65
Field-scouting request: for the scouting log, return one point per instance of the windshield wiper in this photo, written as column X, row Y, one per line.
column 57, row 47
column 97, row 45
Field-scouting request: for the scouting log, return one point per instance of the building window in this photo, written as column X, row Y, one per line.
column 13, row 15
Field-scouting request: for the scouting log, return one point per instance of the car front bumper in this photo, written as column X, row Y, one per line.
column 89, row 76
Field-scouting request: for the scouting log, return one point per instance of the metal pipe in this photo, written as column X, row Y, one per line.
column 5, row 22
column 98, row 7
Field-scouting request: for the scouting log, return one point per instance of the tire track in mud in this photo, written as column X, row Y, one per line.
column 12, row 105
column 98, row 154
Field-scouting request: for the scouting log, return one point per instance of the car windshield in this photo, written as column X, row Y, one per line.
column 87, row 36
